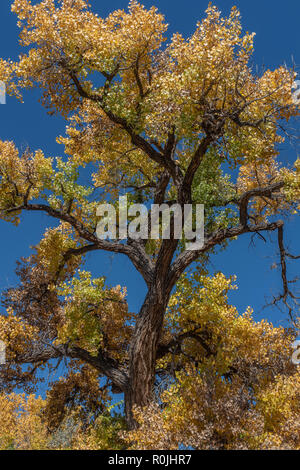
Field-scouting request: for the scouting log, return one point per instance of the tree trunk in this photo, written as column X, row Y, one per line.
column 142, row 354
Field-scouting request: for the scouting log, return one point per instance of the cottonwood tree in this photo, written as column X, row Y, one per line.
column 164, row 123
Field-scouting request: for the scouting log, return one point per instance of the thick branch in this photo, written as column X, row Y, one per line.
column 176, row 342
column 161, row 187
column 266, row 191
column 185, row 192
column 103, row 363
column 287, row 293
column 139, row 259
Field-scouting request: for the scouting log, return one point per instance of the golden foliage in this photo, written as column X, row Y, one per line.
column 243, row 394
column 21, row 426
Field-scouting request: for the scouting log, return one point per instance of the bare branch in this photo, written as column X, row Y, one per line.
column 216, row 238
column 266, row 191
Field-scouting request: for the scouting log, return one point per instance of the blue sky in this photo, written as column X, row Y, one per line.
column 276, row 24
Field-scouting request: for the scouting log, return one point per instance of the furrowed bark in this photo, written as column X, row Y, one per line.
column 143, row 352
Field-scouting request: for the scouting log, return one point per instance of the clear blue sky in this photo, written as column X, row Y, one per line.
column 276, row 24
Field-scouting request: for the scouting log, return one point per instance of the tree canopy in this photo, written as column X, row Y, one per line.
column 165, row 121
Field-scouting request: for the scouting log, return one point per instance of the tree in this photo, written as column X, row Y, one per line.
column 159, row 123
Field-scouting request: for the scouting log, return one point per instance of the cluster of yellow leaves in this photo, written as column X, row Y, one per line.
column 7, row 71
column 280, row 405
column 95, row 316
column 25, row 424
column 206, row 412
column 30, row 176
column 213, row 65
column 21, row 424
column 22, row 177
column 78, row 394
column 108, row 146
column 88, row 42
column 105, row 434
column 51, row 249
column 201, row 305
column 16, row 334
column 203, row 65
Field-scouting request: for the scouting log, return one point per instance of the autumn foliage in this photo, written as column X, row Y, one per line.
column 163, row 120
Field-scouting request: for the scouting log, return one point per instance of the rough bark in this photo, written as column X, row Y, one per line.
column 143, row 352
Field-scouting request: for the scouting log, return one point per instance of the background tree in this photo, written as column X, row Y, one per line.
column 165, row 123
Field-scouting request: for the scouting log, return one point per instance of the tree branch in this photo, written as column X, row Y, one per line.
column 139, row 259
column 102, row 362
column 266, row 191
